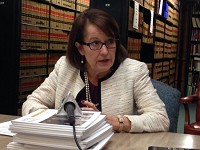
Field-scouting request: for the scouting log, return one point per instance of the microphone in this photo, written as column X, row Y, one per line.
column 69, row 108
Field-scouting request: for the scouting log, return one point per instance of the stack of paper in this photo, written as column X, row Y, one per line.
column 44, row 130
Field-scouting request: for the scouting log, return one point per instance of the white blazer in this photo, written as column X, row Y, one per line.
column 128, row 92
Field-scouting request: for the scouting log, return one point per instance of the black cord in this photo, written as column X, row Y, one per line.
column 75, row 138
column 69, row 107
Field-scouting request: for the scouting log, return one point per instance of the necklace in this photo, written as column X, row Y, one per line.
column 87, row 88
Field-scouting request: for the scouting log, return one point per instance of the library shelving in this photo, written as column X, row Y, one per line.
column 150, row 32
column 194, row 51
column 35, row 35
column 188, row 54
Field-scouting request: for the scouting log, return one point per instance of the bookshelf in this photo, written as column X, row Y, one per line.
column 149, row 33
column 37, row 31
column 194, row 51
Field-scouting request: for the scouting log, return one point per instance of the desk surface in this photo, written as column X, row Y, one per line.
column 132, row 141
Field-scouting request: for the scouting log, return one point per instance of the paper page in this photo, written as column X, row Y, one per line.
column 101, row 144
column 37, row 116
column 4, row 128
column 20, row 146
column 52, row 126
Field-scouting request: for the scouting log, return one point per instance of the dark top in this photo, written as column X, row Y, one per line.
column 93, row 95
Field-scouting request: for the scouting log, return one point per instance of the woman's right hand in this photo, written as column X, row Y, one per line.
column 89, row 106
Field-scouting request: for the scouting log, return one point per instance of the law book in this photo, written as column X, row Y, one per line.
column 198, row 22
column 194, row 24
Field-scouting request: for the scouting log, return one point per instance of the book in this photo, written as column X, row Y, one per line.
column 4, row 128
column 46, row 122
column 46, row 128
column 198, row 22
column 62, row 142
column 194, row 24
column 22, row 146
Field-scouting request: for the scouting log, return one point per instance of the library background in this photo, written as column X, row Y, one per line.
column 165, row 34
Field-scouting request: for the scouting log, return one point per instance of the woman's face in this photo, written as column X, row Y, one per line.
column 97, row 61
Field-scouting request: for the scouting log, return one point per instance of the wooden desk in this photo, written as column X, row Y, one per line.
column 124, row 141
column 142, row 141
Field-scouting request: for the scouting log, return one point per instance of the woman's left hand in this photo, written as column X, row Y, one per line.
column 89, row 106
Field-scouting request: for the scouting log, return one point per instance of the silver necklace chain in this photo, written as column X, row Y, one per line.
column 87, row 87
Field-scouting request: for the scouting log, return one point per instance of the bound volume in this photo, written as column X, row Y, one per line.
column 44, row 129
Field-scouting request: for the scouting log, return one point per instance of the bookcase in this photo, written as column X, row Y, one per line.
column 194, row 51
column 35, row 35
column 150, row 32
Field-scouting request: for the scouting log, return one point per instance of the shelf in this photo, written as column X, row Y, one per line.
column 193, row 58
column 163, row 59
column 195, row 42
column 32, row 67
column 134, row 34
column 63, row 7
column 33, row 76
column 194, row 55
column 27, row 24
column 42, row 1
column 195, row 28
column 60, row 29
column 33, row 51
column 163, row 40
column 196, row 15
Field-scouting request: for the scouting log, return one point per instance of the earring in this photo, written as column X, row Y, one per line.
column 82, row 60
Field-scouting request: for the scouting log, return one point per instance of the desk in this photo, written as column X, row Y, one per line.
column 142, row 141
column 132, row 141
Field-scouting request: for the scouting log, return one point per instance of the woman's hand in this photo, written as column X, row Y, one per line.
column 114, row 121
column 89, row 106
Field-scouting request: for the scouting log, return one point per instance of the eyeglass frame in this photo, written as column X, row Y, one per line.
column 102, row 43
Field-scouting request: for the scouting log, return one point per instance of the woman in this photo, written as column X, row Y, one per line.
column 99, row 75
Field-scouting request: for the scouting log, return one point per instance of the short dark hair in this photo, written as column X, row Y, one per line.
column 102, row 20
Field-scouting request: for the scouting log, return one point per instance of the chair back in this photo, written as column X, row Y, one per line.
column 194, row 126
column 170, row 96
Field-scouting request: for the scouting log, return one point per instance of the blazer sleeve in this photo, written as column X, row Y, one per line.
column 152, row 115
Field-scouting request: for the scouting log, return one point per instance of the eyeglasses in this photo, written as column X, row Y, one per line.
column 97, row 45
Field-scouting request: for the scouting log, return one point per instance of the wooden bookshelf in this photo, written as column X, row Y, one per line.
column 194, row 51
column 186, row 51
column 41, row 31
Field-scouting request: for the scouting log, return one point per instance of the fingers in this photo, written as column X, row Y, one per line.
column 87, row 108
column 113, row 120
column 89, row 105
